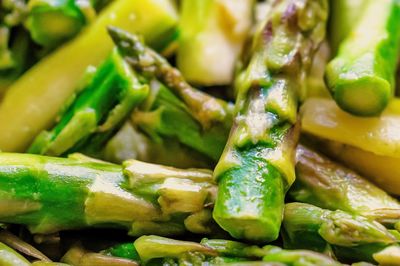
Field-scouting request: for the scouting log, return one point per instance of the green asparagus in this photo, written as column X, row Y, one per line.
column 39, row 94
column 9, row 257
column 350, row 237
column 97, row 112
column 362, row 75
column 154, row 250
column 257, row 166
column 212, row 35
column 142, row 198
column 203, row 120
column 326, row 184
column 51, row 22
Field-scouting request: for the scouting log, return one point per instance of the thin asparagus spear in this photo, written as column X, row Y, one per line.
column 326, row 184
column 39, row 94
column 351, row 237
column 257, row 166
column 206, row 109
column 362, row 75
column 142, row 198
column 96, row 113
column 212, row 35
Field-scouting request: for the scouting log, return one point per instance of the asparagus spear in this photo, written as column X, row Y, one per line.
column 361, row 76
column 212, row 34
column 51, row 22
column 351, row 237
column 140, row 197
column 155, row 250
column 40, row 93
column 96, row 113
column 9, row 257
column 328, row 185
column 257, row 166
column 206, row 109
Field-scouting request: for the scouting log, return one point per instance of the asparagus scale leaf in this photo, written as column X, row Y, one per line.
column 257, row 166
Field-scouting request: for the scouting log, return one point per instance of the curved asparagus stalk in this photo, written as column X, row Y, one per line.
column 351, row 237
column 9, row 257
column 326, row 184
column 257, row 166
column 205, row 108
column 96, row 113
column 38, row 103
column 362, row 76
column 140, row 197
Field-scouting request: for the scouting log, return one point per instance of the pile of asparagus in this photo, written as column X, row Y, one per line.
column 101, row 117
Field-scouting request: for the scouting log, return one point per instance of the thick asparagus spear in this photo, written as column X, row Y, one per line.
column 96, row 113
column 51, row 22
column 257, row 166
column 212, row 34
column 9, row 257
column 40, row 93
column 140, row 197
column 206, row 109
column 351, row 237
column 326, row 184
column 362, row 76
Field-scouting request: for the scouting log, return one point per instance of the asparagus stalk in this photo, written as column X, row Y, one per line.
column 362, row 75
column 155, row 250
column 40, row 93
column 326, row 184
column 257, row 166
column 96, row 113
column 212, row 34
column 140, row 197
column 206, row 109
column 51, row 22
column 343, row 17
column 9, row 257
column 351, row 237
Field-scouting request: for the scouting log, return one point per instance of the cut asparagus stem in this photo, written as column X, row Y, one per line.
column 212, row 34
column 140, row 197
column 205, row 108
column 257, row 166
column 326, row 184
column 362, row 75
column 96, row 113
column 39, row 94
column 352, row 237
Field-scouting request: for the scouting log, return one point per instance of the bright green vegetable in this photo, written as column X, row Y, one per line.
column 350, row 237
column 40, row 93
column 142, row 198
column 326, row 184
column 257, row 166
column 362, row 75
column 212, row 35
column 96, row 113
column 52, row 22
column 203, row 120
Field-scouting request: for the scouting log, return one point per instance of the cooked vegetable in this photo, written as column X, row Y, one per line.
column 362, row 75
column 381, row 170
column 203, row 120
column 96, row 113
column 9, row 257
column 51, row 22
column 140, row 197
column 326, row 184
column 380, row 135
column 350, row 237
column 212, row 35
column 257, row 166
column 40, row 93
